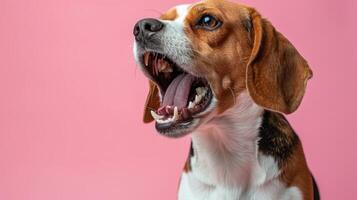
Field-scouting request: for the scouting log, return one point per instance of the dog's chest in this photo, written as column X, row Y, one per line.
column 274, row 190
column 227, row 165
column 263, row 183
column 245, row 175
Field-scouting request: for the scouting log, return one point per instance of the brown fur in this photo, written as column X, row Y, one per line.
column 296, row 173
column 169, row 15
column 277, row 74
column 152, row 102
column 278, row 139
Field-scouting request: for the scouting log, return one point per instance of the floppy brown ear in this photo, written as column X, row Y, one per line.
column 276, row 73
column 152, row 102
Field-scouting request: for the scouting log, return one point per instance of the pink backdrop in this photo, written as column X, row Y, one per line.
column 71, row 99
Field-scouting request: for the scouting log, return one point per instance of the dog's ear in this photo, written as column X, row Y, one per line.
column 152, row 102
column 276, row 73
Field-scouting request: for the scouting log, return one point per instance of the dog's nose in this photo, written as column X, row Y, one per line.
column 146, row 28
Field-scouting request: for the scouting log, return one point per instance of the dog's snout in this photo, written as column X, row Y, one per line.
column 146, row 27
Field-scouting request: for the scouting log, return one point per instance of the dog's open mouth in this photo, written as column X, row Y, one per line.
column 183, row 95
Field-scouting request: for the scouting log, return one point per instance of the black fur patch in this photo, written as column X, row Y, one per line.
column 316, row 190
column 187, row 166
column 277, row 138
column 192, row 153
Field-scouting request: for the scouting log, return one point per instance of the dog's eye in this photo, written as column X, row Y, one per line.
column 208, row 22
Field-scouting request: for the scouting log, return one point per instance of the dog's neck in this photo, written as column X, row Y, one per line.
column 225, row 148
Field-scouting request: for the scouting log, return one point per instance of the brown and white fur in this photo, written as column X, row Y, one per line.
column 242, row 146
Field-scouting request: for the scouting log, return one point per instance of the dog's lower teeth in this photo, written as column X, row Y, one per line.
column 156, row 116
column 159, row 119
column 175, row 117
column 191, row 105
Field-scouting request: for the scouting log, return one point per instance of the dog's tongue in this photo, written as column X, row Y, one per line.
column 178, row 91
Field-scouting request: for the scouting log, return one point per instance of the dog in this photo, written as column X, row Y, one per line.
column 220, row 72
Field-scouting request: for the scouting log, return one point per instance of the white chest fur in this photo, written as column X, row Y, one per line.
column 227, row 165
column 192, row 188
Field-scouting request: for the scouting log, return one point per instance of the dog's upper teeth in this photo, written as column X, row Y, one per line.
column 156, row 116
column 199, row 90
column 146, row 59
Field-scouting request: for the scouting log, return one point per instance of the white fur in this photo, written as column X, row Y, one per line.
column 177, row 45
column 226, row 163
column 175, row 42
column 182, row 11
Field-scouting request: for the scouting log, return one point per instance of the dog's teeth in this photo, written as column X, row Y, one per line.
column 199, row 90
column 175, row 117
column 146, row 59
column 197, row 99
column 160, row 121
column 191, row 104
column 156, row 116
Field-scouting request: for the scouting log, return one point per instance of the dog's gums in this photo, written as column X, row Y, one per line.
column 183, row 95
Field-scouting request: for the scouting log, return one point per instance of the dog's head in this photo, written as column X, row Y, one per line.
column 200, row 57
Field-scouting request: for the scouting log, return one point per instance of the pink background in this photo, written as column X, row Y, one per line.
column 71, row 99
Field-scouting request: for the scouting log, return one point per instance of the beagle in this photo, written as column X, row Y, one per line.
column 220, row 72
